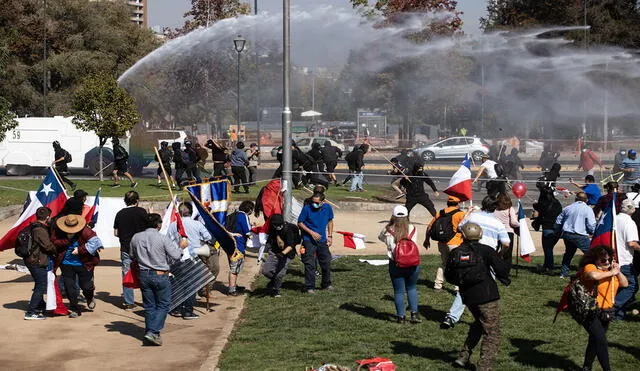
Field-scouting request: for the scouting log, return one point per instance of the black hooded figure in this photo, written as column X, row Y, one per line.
column 178, row 161
column 414, row 187
column 60, row 160
column 316, row 166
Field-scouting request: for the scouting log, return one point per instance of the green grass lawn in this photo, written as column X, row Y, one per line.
column 356, row 321
column 14, row 192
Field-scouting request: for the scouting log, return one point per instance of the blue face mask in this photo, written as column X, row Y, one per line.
column 316, row 205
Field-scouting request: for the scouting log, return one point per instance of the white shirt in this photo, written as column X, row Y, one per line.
column 492, row 229
column 489, row 167
column 626, row 231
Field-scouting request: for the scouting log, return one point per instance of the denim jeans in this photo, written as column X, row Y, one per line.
column 457, row 309
column 127, row 292
column 404, row 279
column 39, row 275
column 572, row 242
column 549, row 240
column 313, row 248
column 626, row 295
column 156, row 299
column 356, row 183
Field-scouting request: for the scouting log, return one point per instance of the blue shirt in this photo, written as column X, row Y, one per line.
column 316, row 220
column 71, row 259
column 593, row 193
column 243, row 228
column 576, row 218
column 628, row 163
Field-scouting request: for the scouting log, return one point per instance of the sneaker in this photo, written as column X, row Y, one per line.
column 74, row 314
column 34, row 316
column 126, row 306
column 115, row 186
column 134, row 184
column 310, row 291
column 275, row 294
column 317, row 273
column 447, row 323
column 415, row 317
column 400, row 320
column 190, row 316
column 437, row 286
column 328, row 288
column 234, row 293
column 462, row 361
column 91, row 304
column 175, row 313
column 153, row 339
column 562, row 276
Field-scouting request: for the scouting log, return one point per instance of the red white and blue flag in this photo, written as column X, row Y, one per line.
column 92, row 215
column 604, row 233
column 50, row 194
column 527, row 247
column 460, row 183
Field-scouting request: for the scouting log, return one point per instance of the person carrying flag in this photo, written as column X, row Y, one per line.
column 575, row 223
column 626, row 245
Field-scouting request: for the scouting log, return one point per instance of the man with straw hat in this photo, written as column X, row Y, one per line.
column 78, row 247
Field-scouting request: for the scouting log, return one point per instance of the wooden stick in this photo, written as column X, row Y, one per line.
column 166, row 179
column 106, row 166
column 392, row 164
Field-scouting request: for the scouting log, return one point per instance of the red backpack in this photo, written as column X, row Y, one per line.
column 406, row 253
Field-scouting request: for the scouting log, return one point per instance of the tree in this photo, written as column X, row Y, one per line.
column 101, row 106
column 7, row 119
column 83, row 38
column 203, row 13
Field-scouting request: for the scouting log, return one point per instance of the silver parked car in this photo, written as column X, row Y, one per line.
column 455, row 147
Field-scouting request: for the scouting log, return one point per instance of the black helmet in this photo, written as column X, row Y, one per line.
column 187, row 143
column 115, row 140
column 56, row 144
column 240, row 145
column 164, row 144
column 471, row 232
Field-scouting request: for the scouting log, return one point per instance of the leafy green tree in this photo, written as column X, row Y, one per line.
column 203, row 13
column 7, row 119
column 83, row 38
column 101, row 106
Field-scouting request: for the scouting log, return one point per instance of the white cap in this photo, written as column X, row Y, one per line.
column 400, row 211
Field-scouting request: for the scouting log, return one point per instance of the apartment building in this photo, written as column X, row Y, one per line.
column 139, row 11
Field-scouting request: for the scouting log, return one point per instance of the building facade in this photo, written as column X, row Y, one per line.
column 139, row 11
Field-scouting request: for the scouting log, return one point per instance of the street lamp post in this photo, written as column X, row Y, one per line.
column 286, row 109
column 238, row 43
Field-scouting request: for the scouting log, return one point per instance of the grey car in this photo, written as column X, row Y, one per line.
column 454, row 147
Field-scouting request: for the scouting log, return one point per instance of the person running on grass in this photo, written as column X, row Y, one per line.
column 121, row 167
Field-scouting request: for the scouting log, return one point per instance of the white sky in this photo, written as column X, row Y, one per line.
column 170, row 12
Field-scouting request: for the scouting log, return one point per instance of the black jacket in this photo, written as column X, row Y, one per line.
column 290, row 236
column 356, row 160
column 119, row 153
column 487, row 290
column 331, row 153
column 415, row 186
column 548, row 208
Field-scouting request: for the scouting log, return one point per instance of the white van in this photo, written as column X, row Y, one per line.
column 30, row 145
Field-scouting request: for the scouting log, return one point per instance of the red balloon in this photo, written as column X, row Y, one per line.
column 519, row 189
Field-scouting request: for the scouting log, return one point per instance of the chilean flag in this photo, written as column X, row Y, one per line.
column 92, row 215
column 460, row 183
column 171, row 215
column 50, row 194
column 604, row 233
column 527, row 247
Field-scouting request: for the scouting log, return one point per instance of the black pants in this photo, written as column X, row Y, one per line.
column 507, row 253
column 597, row 346
column 239, row 177
column 218, row 169
column 424, row 201
column 180, row 174
column 321, row 250
column 194, row 172
column 85, row 279
column 62, row 170
column 496, row 187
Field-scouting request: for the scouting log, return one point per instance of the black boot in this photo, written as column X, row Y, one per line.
column 415, row 318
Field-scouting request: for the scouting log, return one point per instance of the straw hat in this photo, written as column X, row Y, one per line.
column 71, row 223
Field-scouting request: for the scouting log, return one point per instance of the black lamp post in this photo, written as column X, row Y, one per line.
column 238, row 43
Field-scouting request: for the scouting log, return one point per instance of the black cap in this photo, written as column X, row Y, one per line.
column 277, row 220
column 79, row 193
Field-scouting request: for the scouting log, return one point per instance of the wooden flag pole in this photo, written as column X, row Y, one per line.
column 166, row 178
column 392, row 164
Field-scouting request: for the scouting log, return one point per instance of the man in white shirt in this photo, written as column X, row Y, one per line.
column 494, row 185
column 627, row 242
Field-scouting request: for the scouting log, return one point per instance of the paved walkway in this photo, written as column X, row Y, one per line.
column 109, row 337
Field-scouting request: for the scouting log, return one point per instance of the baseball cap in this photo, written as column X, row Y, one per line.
column 277, row 220
column 400, row 211
column 632, row 152
column 453, row 199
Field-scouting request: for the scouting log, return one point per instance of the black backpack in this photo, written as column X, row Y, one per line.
column 230, row 223
column 67, row 157
column 166, row 155
column 500, row 172
column 24, row 242
column 465, row 267
column 442, row 228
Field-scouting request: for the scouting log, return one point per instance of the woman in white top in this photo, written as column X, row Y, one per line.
column 403, row 279
column 506, row 214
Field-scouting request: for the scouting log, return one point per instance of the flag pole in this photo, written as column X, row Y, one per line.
column 392, row 164
column 166, row 179
column 57, row 175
